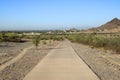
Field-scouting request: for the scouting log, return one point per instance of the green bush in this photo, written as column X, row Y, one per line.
column 112, row 43
column 36, row 41
column 44, row 42
column 57, row 38
column 10, row 37
column 1, row 38
column 51, row 37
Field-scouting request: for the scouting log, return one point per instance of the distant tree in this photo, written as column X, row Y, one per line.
column 36, row 41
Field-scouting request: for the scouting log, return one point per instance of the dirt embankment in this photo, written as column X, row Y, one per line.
column 105, row 64
column 19, row 69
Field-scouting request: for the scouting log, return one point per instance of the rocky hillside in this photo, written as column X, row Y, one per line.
column 111, row 26
column 115, row 23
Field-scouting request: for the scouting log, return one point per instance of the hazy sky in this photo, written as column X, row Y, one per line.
column 56, row 14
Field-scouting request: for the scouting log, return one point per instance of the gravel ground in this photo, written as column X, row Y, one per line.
column 105, row 64
column 19, row 69
column 9, row 50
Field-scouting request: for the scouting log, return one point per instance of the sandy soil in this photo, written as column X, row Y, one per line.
column 9, row 50
column 106, row 64
column 19, row 69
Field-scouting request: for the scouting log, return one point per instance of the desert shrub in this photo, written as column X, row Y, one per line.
column 44, row 42
column 57, row 38
column 112, row 43
column 21, row 36
column 28, row 36
column 51, row 37
column 10, row 37
column 1, row 37
column 36, row 41
column 45, row 37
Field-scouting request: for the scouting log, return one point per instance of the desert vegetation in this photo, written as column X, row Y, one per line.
column 44, row 38
column 53, row 37
column 10, row 37
column 99, row 41
column 36, row 41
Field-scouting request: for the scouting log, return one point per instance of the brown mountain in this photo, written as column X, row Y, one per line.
column 113, row 24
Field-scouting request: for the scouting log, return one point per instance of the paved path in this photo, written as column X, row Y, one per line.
column 62, row 63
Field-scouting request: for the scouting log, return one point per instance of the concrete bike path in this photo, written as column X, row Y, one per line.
column 62, row 63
